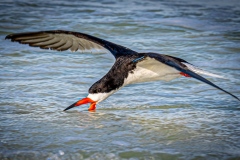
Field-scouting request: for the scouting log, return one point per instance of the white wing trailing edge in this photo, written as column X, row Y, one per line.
column 200, row 71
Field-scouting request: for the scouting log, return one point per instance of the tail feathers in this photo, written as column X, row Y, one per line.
column 200, row 71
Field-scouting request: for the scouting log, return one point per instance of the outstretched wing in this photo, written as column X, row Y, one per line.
column 186, row 68
column 63, row 40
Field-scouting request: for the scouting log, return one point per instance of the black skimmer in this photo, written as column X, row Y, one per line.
column 130, row 66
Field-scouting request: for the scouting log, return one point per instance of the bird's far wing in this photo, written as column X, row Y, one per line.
column 63, row 40
column 183, row 66
column 150, row 69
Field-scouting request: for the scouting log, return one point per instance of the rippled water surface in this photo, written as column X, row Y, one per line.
column 181, row 119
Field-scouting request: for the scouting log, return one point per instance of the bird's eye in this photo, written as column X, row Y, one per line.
column 99, row 90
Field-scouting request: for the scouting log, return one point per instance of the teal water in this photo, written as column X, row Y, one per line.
column 181, row 119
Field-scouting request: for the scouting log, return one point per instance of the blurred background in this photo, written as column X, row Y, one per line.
column 181, row 119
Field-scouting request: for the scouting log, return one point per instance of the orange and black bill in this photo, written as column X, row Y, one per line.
column 83, row 101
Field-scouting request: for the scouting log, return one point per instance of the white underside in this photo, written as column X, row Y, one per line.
column 98, row 97
column 151, row 70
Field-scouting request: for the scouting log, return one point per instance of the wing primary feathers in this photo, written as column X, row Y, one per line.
column 62, row 40
column 177, row 63
column 195, row 75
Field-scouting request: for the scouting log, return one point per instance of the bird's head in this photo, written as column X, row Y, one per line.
column 97, row 93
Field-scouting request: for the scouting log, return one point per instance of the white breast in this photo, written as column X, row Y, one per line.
column 151, row 70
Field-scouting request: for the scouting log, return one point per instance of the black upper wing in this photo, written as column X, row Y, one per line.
column 61, row 40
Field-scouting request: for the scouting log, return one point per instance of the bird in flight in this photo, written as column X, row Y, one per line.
column 130, row 66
